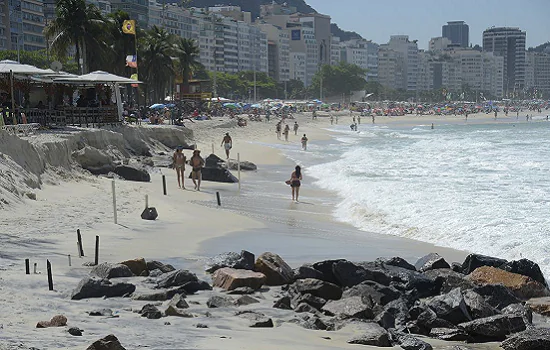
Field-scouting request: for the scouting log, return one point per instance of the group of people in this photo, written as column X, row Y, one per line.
column 196, row 162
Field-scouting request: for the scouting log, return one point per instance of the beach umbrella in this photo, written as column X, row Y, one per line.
column 170, row 105
column 157, row 106
column 256, row 105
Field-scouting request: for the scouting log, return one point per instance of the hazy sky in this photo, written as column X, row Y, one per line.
column 376, row 20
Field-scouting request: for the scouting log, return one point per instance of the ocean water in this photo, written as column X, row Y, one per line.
column 480, row 188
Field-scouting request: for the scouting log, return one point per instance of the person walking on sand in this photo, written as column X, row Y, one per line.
column 197, row 163
column 295, row 182
column 179, row 164
column 286, row 131
column 278, row 130
column 331, row 119
column 295, row 128
column 304, row 142
column 227, row 143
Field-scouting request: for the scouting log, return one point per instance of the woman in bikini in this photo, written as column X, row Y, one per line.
column 197, row 163
column 295, row 182
column 179, row 164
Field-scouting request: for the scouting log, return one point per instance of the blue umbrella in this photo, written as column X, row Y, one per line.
column 170, row 105
column 157, row 106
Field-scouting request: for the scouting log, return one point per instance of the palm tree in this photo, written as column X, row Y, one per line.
column 187, row 54
column 121, row 44
column 75, row 24
column 156, row 64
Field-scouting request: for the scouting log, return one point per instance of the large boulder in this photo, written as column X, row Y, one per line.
column 398, row 310
column 409, row 342
column 374, row 292
column 229, row 279
column 132, row 173
column 521, row 310
column 348, row 274
column 449, row 279
column 108, row 270
column 473, row 261
column 494, row 328
column 525, row 267
column 217, row 175
column 373, row 335
column 192, row 287
column 275, row 269
column 322, row 289
column 450, row 307
column 477, row 306
column 530, row 339
column 217, row 301
column 539, row 305
column 325, row 267
column 93, row 287
column 56, row 321
column 430, row 262
column 150, row 311
column 352, row 307
column 307, row 271
column 428, row 319
column 496, row 295
column 213, row 161
column 176, row 278
column 396, row 261
column 522, row 286
column 157, row 265
column 310, row 299
column 244, row 260
column 448, row 334
column 109, row 342
column 245, row 165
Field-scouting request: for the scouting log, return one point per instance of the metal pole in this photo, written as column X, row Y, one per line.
column 239, row 169
column 146, row 201
column 12, row 109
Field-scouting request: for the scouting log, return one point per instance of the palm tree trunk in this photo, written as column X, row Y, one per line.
column 84, row 57
column 77, row 54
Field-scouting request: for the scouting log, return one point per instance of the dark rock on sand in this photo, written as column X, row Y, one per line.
column 473, row 261
column 217, row 301
column 530, row 339
column 449, row 279
column 373, row 335
column 307, row 271
column 150, row 311
column 496, row 295
column 399, row 310
column 397, row 261
column 93, row 287
column 493, row 328
column 352, row 307
column 477, row 306
column 525, row 267
column 77, row 332
column 165, row 268
column 348, row 274
column 56, row 321
column 110, row 342
column 450, row 307
column 409, row 342
column 322, row 289
column 305, row 307
column 241, row 291
column 171, row 310
column 325, row 267
column 430, row 262
column 315, row 301
column 131, row 173
column 217, row 175
column 243, row 260
column 449, row 334
column 375, row 292
column 246, row 300
column 138, row 266
column 276, row 270
column 101, row 312
column 192, row 287
column 108, row 270
column 283, row 303
column 521, row 310
column 155, row 296
column 179, row 302
column 176, row 278
column 428, row 320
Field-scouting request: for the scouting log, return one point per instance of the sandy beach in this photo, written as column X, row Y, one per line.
column 191, row 228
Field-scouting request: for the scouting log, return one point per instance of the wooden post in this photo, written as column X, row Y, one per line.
column 79, row 237
column 35, row 269
column 97, row 250
column 218, row 198
column 114, row 202
column 69, row 256
column 213, row 148
column 164, row 184
column 239, row 169
column 146, row 201
column 27, row 267
column 50, row 280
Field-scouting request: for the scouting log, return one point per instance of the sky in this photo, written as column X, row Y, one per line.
column 376, row 20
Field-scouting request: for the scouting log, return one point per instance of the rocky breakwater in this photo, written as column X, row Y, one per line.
column 387, row 302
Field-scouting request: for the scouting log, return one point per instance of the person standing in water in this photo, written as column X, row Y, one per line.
column 227, row 143
column 197, row 163
column 179, row 164
column 304, row 142
column 295, row 182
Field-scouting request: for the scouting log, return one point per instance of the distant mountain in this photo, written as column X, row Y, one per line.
column 253, row 6
column 541, row 48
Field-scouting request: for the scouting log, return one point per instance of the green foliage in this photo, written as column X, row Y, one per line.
column 337, row 80
column 241, row 85
column 187, row 53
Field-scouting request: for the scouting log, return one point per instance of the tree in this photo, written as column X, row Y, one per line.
column 187, row 54
column 295, row 89
column 343, row 78
column 79, row 25
column 156, row 64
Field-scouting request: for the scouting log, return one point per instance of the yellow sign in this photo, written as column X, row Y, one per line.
column 134, row 76
column 129, row 27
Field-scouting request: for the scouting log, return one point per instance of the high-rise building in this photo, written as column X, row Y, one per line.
column 538, row 73
column 407, row 60
column 138, row 10
column 5, row 32
column 278, row 51
column 457, row 32
column 335, row 51
column 390, row 67
column 362, row 53
column 510, row 44
column 439, row 44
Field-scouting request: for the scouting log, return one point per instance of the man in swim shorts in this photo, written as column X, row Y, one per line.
column 197, row 163
column 227, row 143
column 179, row 164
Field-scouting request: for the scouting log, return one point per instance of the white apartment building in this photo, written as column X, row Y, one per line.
column 362, row 53
column 409, row 65
column 538, row 72
column 390, row 67
column 302, row 40
column 278, row 51
column 298, row 66
column 175, row 19
column 439, row 44
column 335, row 51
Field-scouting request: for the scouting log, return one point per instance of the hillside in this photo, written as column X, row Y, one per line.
column 253, row 6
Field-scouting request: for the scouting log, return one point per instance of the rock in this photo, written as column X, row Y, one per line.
column 176, row 278
column 352, row 307
column 93, row 287
column 539, row 305
column 246, row 300
column 157, row 296
column 56, row 321
column 373, row 335
column 192, row 287
column 530, row 339
column 348, row 274
column 449, row 280
column 165, row 268
column 473, row 261
column 77, row 332
column 131, row 173
column 310, row 299
column 448, row 334
column 385, row 320
column 217, row 175
column 283, row 303
column 244, row 261
column 228, row 278
column 31, row 195
column 521, row 310
column 457, row 267
column 409, row 342
column 325, row 267
column 427, row 320
column 170, row 293
column 494, row 328
column 201, row 325
column 399, row 310
column 245, row 165
column 430, row 262
column 90, row 157
column 307, row 271
column 313, row 322
column 242, row 290
column 108, row 270
column 179, row 302
column 110, row 342
column 374, row 292
column 171, row 310
column 477, row 306
column 522, row 286
column 101, row 312
column 137, row 266
column 322, row 289
column 150, row 213
column 257, row 320
column 525, row 267
column 397, row 261
column 496, row 295
column 450, row 307
column 150, row 311
column 213, row 161
column 275, row 269
column 154, row 274
column 217, row 301
column 305, row 307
